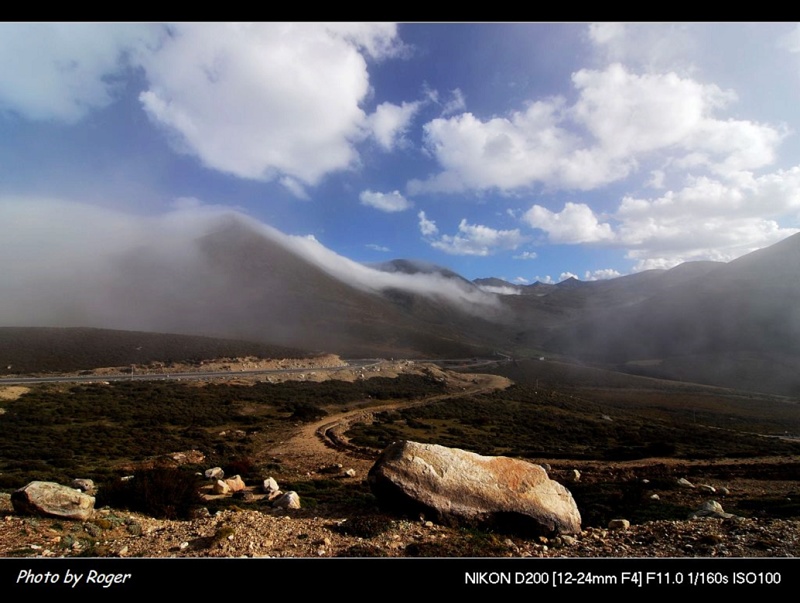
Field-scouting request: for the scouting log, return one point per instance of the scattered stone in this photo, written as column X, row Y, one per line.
column 84, row 485
column 289, row 500
column 711, row 508
column 54, row 500
column 350, row 473
column 335, row 468
column 220, row 487
column 705, row 488
column 655, row 497
column 684, row 483
column 723, row 491
column 193, row 457
column 270, row 486
column 460, row 487
column 215, row 473
column 574, row 476
column 235, row 483
column 546, row 466
column 619, row 524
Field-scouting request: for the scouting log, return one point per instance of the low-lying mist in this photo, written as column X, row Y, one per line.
column 189, row 270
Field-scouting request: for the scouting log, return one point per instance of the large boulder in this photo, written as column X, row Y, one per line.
column 53, row 500
column 459, row 487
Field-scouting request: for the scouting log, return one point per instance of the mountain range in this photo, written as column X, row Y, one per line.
column 733, row 324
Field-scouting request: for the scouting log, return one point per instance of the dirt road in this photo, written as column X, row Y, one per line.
column 322, row 443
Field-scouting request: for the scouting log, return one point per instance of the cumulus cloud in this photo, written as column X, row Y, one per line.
column 476, row 239
column 545, row 280
column 426, row 227
column 390, row 122
column 565, row 275
column 376, row 247
column 649, row 46
column 266, row 99
column 576, row 223
column 61, row 71
column 388, row 202
column 602, row 274
column 709, row 219
column 526, row 255
column 619, row 119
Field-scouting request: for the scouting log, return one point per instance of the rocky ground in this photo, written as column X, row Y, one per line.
column 267, row 532
column 255, row 529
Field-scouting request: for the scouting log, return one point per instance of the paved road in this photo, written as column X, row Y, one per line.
column 365, row 363
column 354, row 363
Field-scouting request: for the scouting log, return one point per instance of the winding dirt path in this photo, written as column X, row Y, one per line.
column 322, row 443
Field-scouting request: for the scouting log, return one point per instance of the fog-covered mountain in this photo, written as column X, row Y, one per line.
column 228, row 276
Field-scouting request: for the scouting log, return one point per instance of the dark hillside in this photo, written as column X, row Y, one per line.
column 33, row 350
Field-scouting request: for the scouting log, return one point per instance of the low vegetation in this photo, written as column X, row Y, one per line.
column 96, row 431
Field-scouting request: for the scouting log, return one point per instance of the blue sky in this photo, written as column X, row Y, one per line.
column 521, row 151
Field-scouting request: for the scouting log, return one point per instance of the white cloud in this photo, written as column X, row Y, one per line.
column 61, row 71
column 295, row 188
column 476, row 239
column 648, row 46
column 521, row 280
column 390, row 122
column 576, row 223
column 709, row 218
column 500, row 290
column 456, row 103
column 526, row 255
column 502, row 153
column 545, row 280
column 375, row 247
column 266, row 99
column 426, row 227
column 791, row 40
column 565, row 275
column 602, row 274
column 618, row 120
column 388, row 202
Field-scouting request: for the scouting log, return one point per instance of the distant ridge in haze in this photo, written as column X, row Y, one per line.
column 231, row 277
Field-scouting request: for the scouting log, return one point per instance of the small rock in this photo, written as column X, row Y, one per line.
column 350, row 473
column 235, row 483
column 684, row 483
column 707, row 489
column 619, row 524
column 220, row 487
column 289, row 500
column 723, row 491
column 270, row 485
column 655, row 497
column 574, row 476
column 711, row 508
column 84, row 485
column 215, row 473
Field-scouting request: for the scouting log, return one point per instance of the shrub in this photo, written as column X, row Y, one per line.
column 161, row 492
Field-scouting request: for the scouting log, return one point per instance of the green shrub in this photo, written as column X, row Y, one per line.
column 161, row 492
